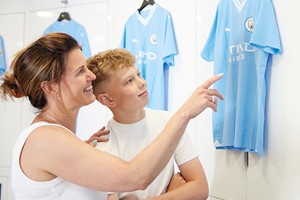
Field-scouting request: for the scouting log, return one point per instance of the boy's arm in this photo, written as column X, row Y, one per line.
column 176, row 181
column 196, row 186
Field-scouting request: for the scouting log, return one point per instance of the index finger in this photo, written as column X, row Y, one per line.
column 211, row 81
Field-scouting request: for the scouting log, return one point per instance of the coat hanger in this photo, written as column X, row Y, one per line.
column 64, row 15
column 146, row 3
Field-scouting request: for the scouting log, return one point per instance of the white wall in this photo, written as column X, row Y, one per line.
column 10, row 112
column 274, row 176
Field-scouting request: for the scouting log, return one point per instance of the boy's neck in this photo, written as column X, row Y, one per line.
column 129, row 117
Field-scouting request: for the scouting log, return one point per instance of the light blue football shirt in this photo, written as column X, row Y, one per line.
column 76, row 30
column 243, row 38
column 149, row 35
column 2, row 56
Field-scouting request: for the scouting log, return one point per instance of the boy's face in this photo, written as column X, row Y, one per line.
column 128, row 89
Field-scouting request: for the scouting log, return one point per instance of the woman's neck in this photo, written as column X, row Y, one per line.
column 63, row 119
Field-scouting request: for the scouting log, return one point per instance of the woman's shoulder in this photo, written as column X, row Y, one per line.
column 40, row 131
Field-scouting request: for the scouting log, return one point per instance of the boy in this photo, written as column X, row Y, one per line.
column 120, row 87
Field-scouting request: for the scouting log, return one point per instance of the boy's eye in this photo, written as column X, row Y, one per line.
column 129, row 81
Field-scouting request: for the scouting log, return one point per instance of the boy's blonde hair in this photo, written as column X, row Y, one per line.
column 107, row 62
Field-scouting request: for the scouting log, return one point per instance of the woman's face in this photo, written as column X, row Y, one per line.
column 76, row 83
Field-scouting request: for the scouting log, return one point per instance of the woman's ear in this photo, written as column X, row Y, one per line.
column 48, row 88
column 106, row 100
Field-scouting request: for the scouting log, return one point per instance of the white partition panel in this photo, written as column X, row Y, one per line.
column 276, row 175
column 12, row 6
column 10, row 118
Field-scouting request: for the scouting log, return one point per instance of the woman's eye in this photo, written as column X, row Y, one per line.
column 81, row 71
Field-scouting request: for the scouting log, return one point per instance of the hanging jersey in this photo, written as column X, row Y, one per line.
column 149, row 35
column 2, row 56
column 243, row 38
column 76, row 30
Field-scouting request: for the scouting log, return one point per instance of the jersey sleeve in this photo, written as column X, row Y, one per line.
column 208, row 50
column 2, row 56
column 170, row 46
column 265, row 35
column 85, row 45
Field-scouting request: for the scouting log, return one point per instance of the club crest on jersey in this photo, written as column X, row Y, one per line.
column 249, row 24
column 1, row 52
column 153, row 38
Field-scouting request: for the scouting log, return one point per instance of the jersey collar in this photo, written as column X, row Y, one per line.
column 239, row 4
column 146, row 20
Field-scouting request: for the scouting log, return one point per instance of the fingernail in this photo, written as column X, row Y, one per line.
column 221, row 74
column 94, row 142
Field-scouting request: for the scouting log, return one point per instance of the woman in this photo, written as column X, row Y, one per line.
column 49, row 161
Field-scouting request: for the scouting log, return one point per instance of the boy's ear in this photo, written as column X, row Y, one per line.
column 106, row 100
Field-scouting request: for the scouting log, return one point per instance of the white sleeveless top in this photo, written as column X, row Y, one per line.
column 57, row 189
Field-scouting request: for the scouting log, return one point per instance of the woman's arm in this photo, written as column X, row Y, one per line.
column 53, row 151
